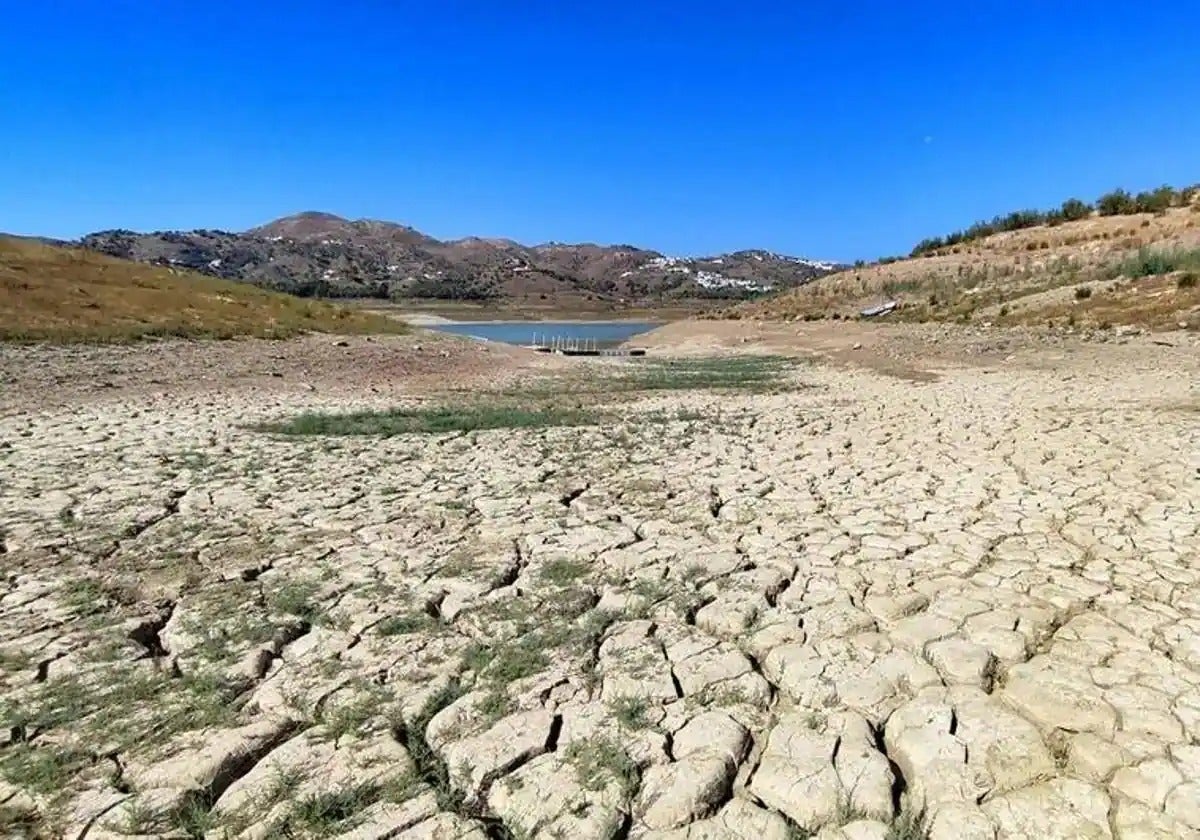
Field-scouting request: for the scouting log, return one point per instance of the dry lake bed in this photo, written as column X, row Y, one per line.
column 897, row 585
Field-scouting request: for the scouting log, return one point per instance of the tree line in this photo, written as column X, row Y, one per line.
column 1119, row 202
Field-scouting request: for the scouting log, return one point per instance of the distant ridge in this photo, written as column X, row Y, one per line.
column 321, row 254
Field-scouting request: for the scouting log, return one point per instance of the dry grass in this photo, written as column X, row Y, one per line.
column 49, row 293
column 1019, row 271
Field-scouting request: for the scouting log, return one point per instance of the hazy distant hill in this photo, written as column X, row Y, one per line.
column 319, row 254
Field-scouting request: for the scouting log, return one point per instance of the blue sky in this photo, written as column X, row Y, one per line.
column 838, row 130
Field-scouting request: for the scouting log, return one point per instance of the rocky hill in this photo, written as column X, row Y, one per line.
column 322, row 255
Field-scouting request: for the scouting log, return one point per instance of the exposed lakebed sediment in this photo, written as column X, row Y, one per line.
column 971, row 603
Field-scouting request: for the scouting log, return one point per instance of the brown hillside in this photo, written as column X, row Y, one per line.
column 1104, row 270
column 72, row 294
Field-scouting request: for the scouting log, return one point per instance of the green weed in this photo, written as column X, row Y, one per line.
column 402, row 625
column 562, row 571
column 1149, row 262
column 630, row 712
column 435, row 420
column 599, row 762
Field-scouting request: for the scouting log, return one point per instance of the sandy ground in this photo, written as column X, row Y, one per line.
column 949, row 579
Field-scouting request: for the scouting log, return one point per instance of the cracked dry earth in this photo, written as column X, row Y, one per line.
column 864, row 608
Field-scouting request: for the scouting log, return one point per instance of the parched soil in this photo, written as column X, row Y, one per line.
column 39, row 376
column 939, row 583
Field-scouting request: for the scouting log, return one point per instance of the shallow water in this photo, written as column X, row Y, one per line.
column 601, row 333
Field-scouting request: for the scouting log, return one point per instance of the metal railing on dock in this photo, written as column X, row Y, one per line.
column 566, row 346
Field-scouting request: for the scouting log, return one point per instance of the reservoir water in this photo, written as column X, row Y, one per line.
column 602, row 333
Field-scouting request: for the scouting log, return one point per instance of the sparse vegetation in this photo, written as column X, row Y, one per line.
column 1149, row 262
column 50, row 293
column 430, row 769
column 195, row 818
column 563, row 571
column 494, row 705
column 554, row 402
column 600, row 762
column 297, row 599
column 740, row 372
column 434, row 420
column 122, row 704
column 909, row 824
column 1116, row 203
column 328, row 813
column 44, row 770
column 345, row 718
column 630, row 712
column 517, row 660
column 401, row 625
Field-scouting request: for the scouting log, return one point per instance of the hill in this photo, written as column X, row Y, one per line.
column 50, row 292
column 1101, row 270
column 322, row 255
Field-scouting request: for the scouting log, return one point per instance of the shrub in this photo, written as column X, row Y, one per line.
column 1116, row 203
column 1156, row 201
column 1073, row 209
column 1151, row 263
column 1187, row 281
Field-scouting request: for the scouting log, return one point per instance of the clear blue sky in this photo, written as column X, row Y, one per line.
column 828, row 129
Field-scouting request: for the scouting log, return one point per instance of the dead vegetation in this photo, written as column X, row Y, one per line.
column 50, row 293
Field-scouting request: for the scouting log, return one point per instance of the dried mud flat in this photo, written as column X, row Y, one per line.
column 960, row 605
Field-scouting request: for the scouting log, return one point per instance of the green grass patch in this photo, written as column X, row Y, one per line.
column 630, row 712
column 328, row 813
column 506, row 663
column 600, row 762
column 345, row 718
column 1151, row 262
column 742, row 373
column 494, row 705
column 402, row 625
column 43, row 770
column 15, row 660
column 433, row 420
column 120, row 706
column 195, row 818
column 564, row 401
column 562, row 572
column 297, row 599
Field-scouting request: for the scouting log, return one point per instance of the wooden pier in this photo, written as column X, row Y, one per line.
column 579, row 347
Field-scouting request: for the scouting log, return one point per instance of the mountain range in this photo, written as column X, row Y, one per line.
column 323, row 255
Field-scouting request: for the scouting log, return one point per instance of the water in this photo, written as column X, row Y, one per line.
column 601, row 333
